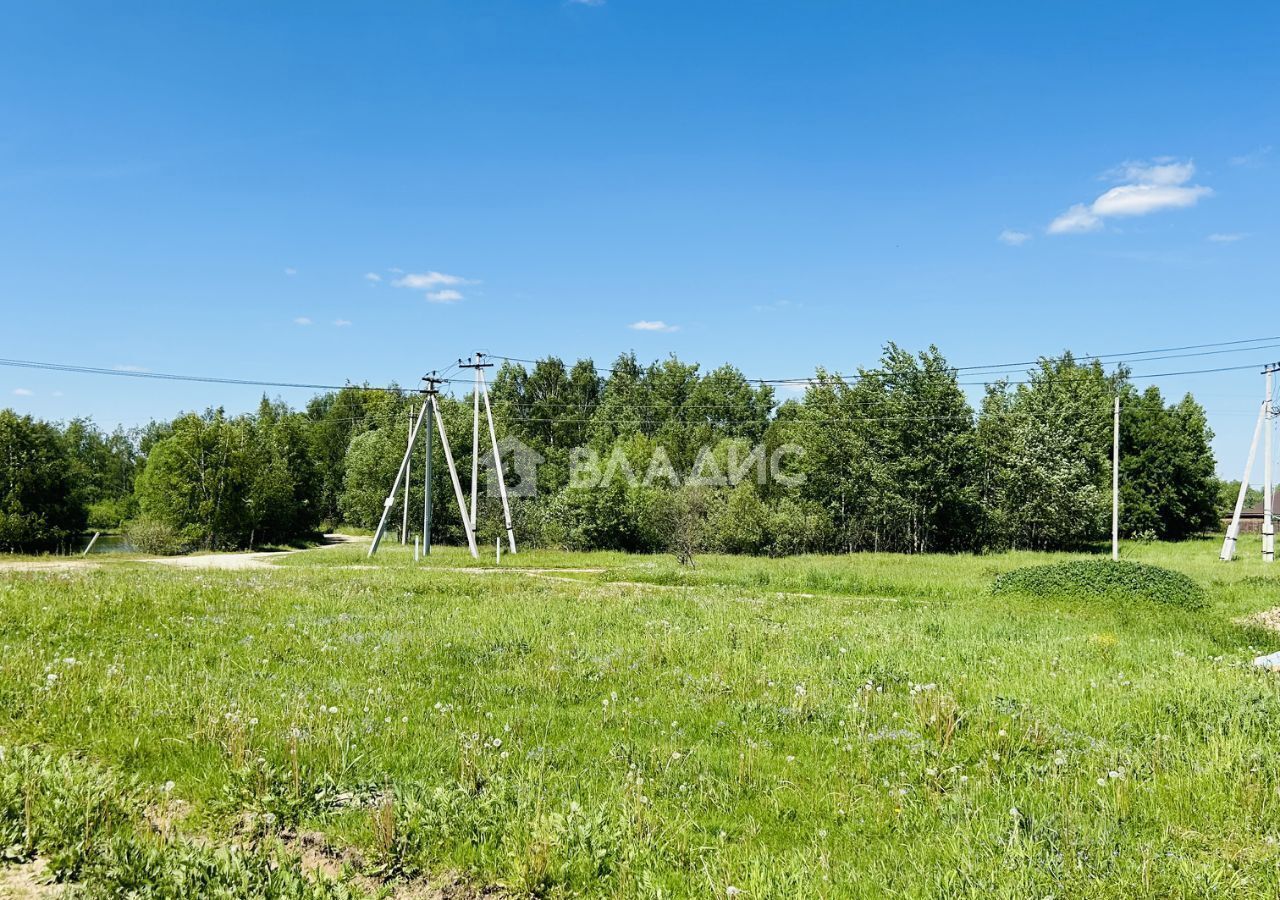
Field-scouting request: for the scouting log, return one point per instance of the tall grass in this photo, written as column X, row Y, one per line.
column 855, row 726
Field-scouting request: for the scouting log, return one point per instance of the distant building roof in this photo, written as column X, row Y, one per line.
column 1256, row 511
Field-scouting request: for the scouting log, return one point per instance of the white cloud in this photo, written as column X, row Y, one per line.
column 1077, row 220
column 586, row 2
column 372, row 277
column 1228, row 238
column 58, row 394
column 1157, row 171
column 290, row 270
column 448, row 295
column 1253, row 160
column 21, row 392
column 1013, row 238
column 423, row 280
column 657, row 325
column 130, row 369
column 1149, row 187
column 341, row 323
column 302, row 320
column 1141, row 199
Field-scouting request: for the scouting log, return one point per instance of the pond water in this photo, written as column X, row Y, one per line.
column 111, row 543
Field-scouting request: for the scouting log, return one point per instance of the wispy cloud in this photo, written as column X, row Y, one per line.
column 1013, row 238
column 656, row 325
column 776, row 306
column 1254, row 160
column 290, row 270
column 302, row 320
column 372, row 277
column 422, row 280
column 1226, row 238
column 130, row 369
column 440, row 287
column 342, row 323
column 1076, row 220
column 22, row 392
column 586, row 2
column 1148, row 187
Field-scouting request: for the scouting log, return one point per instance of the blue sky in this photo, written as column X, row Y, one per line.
column 781, row 185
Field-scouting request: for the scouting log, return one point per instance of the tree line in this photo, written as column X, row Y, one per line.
column 641, row 457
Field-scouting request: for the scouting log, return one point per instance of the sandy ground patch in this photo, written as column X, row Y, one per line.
column 24, row 882
column 232, row 561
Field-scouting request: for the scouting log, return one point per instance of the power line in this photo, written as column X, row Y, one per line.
column 203, row 379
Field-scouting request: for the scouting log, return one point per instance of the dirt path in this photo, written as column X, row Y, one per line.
column 226, row 561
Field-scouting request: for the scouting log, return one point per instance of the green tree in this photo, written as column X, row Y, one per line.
column 40, row 508
column 1167, row 483
column 196, row 481
column 104, row 467
column 1045, row 450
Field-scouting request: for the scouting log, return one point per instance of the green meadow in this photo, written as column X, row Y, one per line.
column 606, row 725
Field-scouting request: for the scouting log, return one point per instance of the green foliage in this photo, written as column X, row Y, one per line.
column 40, row 508
column 92, row 826
column 223, row 483
column 155, row 536
column 1045, row 448
column 1167, row 484
column 893, row 459
column 1229, row 491
column 571, row 726
column 1096, row 579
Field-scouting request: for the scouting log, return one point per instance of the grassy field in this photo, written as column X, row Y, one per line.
column 615, row 726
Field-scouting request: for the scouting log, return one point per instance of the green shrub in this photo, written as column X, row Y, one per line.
column 154, row 536
column 1102, row 579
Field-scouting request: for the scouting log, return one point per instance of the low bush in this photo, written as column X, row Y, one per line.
column 154, row 536
column 1102, row 579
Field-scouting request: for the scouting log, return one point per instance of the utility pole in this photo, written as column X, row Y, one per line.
column 429, row 392
column 408, row 474
column 497, row 466
column 1265, row 413
column 434, row 406
column 453, row 476
column 477, row 363
column 1115, row 483
column 395, row 486
column 1268, row 525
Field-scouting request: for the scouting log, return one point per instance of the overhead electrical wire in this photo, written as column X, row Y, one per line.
column 1223, row 347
